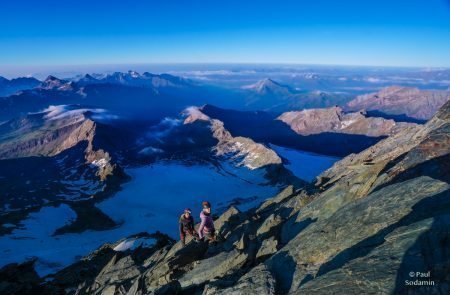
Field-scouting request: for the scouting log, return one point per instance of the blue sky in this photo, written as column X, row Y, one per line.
column 63, row 32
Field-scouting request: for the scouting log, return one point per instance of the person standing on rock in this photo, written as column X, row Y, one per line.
column 186, row 224
column 206, row 229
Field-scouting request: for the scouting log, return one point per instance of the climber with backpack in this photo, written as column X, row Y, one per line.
column 206, row 229
column 186, row 226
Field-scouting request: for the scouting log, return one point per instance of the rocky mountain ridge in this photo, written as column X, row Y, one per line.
column 369, row 221
column 328, row 131
column 51, row 132
column 8, row 87
column 402, row 102
column 53, row 157
column 254, row 155
column 315, row 121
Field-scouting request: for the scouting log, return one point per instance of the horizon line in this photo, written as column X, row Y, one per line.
column 224, row 63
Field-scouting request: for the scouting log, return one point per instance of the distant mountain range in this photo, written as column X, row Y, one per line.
column 133, row 78
column 164, row 93
column 8, row 87
column 269, row 95
column 129, row 93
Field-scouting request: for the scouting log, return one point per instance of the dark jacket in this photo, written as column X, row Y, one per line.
column 186, row 224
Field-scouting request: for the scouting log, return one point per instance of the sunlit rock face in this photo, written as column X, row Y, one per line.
column 315, row 121
column 408, row 102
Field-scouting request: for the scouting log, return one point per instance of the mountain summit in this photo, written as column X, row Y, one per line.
column 269, row 87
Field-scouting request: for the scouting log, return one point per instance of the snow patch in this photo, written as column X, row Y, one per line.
column 101, row 163
column 193, row 114
column 133, row 243
column 151, row 151
column 346, row 123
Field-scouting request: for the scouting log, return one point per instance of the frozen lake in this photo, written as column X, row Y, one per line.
column 304, row 165
column 152, row 200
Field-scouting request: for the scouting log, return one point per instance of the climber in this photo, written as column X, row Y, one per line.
column 186, row 224
column 206, row 229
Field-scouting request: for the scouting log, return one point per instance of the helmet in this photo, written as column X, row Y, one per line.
column 206, row 204
column 187, row 210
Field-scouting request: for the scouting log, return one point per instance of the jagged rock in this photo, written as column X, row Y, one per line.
column 285, row 193
column 173, row 264
column 22, row 279
column 111, row 271
column 268, row 247
column 171, row 288
column 82, row 274
column 117, row 271
column 372, row 271
column 216, row 266
column 258, row 281
column 271, row 222
column 108, row 290
column 244, row 150
column 240, row 244
column 226, row 221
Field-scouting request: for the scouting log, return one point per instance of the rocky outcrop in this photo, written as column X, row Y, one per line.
column 57, row 153
column 57, row 129
column 399, row 101
column 20, row 279
column 244, row 150
column 316, row 121
column 46, row 140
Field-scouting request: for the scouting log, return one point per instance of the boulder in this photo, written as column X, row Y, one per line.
column 267, row 248
column 258, row 281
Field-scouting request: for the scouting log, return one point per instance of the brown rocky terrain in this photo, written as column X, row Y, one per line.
column 371, row 219
column 315, row 121
column 329, row 131
column 408, row 102
column 51, row 132
column 251, row 154
column 54, row 157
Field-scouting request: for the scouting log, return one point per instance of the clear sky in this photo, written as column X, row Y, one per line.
column 354, row 32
